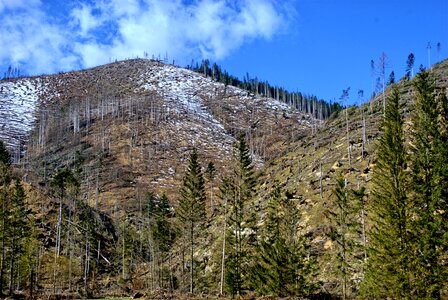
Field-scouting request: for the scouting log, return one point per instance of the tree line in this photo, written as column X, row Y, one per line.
column 309, row 104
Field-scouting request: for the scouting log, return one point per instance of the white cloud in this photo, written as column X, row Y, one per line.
column 30, row 42
column 84, row 18
column 17, row 4
column 203, row 28
column 117, row 29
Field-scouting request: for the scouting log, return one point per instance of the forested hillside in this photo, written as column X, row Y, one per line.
column 143, row 179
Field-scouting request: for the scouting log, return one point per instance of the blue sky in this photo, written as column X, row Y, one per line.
column 315, row 46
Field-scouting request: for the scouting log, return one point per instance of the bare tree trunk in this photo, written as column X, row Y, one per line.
column 320, row 180
column 59, row 229
column 344, row 258
column 223, row 257
column 191, row 258
column 123, row 257
column 11, row 266
column 364, row 235
column 86, row 263
column 363, row 134
column 2, row 259
column 348, row 138
column 183, row 263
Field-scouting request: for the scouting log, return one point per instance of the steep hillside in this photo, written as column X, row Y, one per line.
column 130, row 126
column 309, row 167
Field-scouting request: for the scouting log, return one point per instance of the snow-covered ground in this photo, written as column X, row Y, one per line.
column 186, row 93
column 18, row 102
column 181, row 88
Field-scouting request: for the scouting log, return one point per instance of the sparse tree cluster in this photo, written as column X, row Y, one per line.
column 18, row 244
column 309, row 104
column 407, row 240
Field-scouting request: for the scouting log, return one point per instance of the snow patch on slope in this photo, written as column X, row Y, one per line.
column 181, row 88
column 18, row 103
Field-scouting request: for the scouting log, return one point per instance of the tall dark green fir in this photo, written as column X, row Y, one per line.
column 430, row 187
column 191, row 211
column 285, row 266
column 388, row 269
column 242, row 216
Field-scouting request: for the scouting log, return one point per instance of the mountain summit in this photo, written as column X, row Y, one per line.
column 137, row 119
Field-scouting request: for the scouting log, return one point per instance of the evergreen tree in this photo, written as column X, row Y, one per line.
column 387, row 273
column 241, row 233
column 211, row 173
column 17, row 251
column 5, row 157
column 191, row 211
column 61, row 181
column 163, row 235
column 430, row 187
column 346, row 234
column 391, row 78
column 410, row 66
column 162, row 231
column 284, row 266
column 5, row 180
column 19, row 230
column 126, row 248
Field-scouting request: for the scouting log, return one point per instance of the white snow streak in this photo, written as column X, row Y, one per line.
column 182, row 88
column 18, row 102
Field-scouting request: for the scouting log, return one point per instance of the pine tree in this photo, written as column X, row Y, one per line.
column 191, row 211
column 241, row 232
column 430, row 187
column 387, row 273
column 126, row 248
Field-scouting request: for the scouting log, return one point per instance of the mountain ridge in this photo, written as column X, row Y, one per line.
column 109, row 109
column 127, row 129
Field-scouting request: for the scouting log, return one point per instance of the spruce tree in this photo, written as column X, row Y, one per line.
column 5, row 180
column 19, row 230
column 284, row 266
column 5, row 157
column 345, row 232
column 241, row 220
column 211, row 173
column 410, row 66
column 163, row 235
column 61, row 181
column 16, row 244
column 388, row 267
column 191, row 211
column 429, row 165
